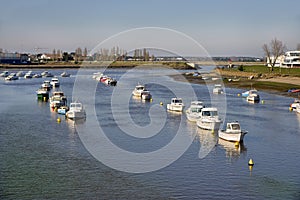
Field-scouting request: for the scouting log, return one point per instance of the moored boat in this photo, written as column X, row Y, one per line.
column 11, row 77
column 76, row 111
column 46, row 85
column 253, row 96
column 246, row 93
column 209, row 119
column 65, row 74
column 146, row 95
column 218, row 89
column 54, row 82
column 28, row 75
column 42, row 94
column 58, row 99
column 294, row 105
column 193, row 112
column 4, row 74
column 232, row 133
column 138, row 90
column 175, row 105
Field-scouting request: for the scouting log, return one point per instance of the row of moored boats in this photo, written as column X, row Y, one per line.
column 58, row 100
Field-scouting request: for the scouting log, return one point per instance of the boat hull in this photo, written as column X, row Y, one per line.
column 75, row 115
column 177, row 108
column 209, row 124
column 232, row 137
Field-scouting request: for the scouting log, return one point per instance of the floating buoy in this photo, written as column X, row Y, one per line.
column 262, row 101
column 55, row 109
column 239, row 94
column 250, row 163
column 151, row 100
column 58, row 120
column 161, row 103
column 290, row 108
column 236, row 144
column 45, row 98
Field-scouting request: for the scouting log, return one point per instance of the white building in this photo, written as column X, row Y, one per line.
column 291, row 59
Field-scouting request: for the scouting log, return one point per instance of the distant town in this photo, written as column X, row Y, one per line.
column 113, row 54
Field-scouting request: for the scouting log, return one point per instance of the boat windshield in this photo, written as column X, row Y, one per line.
column 235, row 126
column 210, row 113
column 140, row 88
column 177, row 101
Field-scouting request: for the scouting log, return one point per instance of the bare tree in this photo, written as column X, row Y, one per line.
column 298, row 46
column 274, row 50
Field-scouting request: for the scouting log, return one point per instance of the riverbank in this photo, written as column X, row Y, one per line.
column 104, row 64
column 270, row 82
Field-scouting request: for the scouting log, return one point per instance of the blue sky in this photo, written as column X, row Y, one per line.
column 223, row 28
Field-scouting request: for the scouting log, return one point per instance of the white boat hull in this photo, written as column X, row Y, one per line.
column 75, row 114
column 209, row 124
column 193, row 117
column 177, row 108
column 232, row 137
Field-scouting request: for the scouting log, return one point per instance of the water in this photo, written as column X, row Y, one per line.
column 41, row 158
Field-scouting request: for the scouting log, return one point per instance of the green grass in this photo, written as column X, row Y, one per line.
column 264, row 70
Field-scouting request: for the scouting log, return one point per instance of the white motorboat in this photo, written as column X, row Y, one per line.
column 218, row 89
column 209, row 119
column 4, row 74
column 46, row 74
column 58, row 99
column 246, row 93
column 20, row 74
column 46, row 85
column 11, row 77
column 76, row 111
column 175, row 105
column 146, row 95
column 294, row 105
column 232, row 132
column 193, row 112
column 29, row 74
column 37, row 76
column 138, row 90
column 54, row 82
column 253, row 96
column 65, row 74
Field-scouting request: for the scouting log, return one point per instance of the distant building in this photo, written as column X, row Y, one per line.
column 14, row 58
column 291, row 59
column 278, row 61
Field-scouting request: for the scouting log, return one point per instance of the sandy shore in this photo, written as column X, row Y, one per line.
column 288, row 79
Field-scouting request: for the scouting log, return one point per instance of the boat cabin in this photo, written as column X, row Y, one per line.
column 233, row 127
column 176, row 100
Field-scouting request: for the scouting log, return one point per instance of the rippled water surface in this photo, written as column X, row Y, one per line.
column 43, row 159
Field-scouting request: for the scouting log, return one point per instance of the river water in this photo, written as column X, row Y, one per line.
column 44, row 159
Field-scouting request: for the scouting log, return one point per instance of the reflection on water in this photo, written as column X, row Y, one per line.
column 208, row 141
column 232, row 149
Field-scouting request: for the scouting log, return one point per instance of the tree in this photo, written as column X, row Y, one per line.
column 273, row 50
column 54, row 54
column 85, row 52
column 298, row 46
